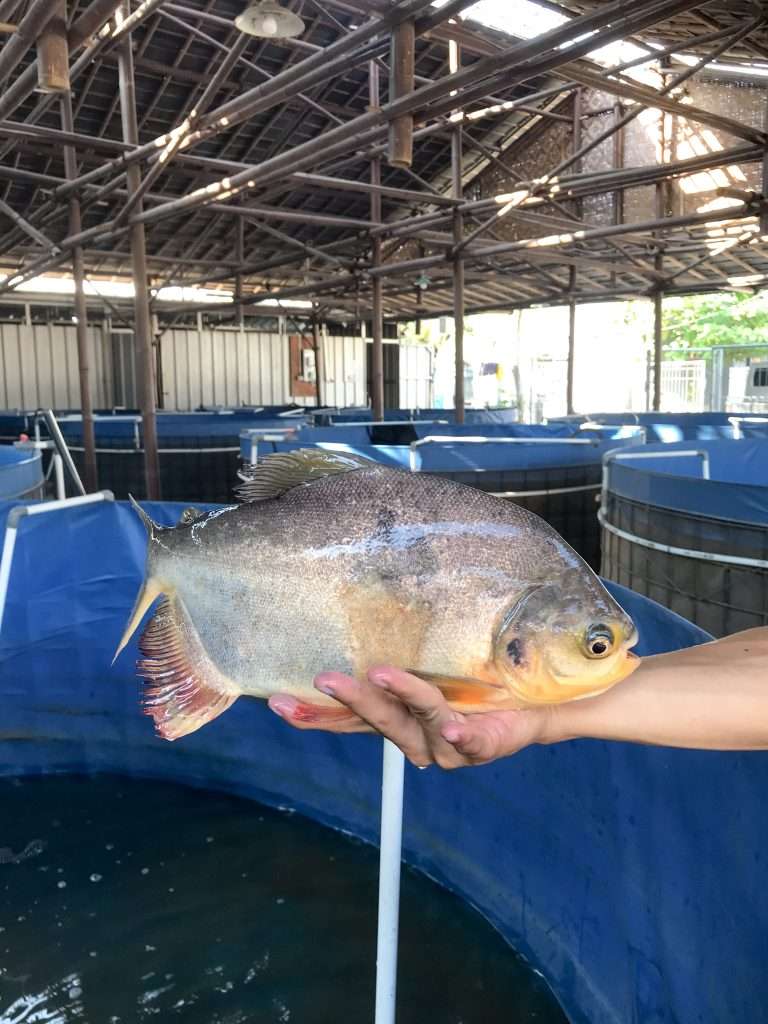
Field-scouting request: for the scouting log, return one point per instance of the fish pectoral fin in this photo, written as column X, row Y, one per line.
column 465, row 694
column 276, row 474
column 184, row 690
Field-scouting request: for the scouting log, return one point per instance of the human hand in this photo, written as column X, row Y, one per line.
column 417, row 718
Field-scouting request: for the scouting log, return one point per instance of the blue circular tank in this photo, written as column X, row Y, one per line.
column 21, row 473
column 687, row 525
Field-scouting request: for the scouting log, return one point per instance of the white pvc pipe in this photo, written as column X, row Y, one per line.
column 393, row 768
column 58, row 468
column 9, row 543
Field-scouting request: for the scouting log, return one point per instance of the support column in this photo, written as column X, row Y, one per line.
column 457, row 138
column 240, row 257
column 145, row 373
column 318, row 357
column 658, row 338
column 571, row 340
column 377, row 315
column 90, row 475
column 618, row 162
column 658, row 294
column 578, row 108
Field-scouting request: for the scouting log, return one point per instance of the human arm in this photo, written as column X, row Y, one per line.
column 710, row 697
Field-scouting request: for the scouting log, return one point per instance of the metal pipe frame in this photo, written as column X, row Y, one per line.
column 81, row 312
column 432, row 104
column 143, row 335
column 377, row 286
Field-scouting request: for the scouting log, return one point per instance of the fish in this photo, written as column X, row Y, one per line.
column 332, row 562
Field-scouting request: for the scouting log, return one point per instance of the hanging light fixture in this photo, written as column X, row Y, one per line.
column 268, row 19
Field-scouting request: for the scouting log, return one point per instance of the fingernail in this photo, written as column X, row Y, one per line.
column 282, row 706
column 379, row 678
column 451, row 733
column 325, row 685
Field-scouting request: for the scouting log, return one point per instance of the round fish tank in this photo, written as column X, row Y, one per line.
column 199, row 453
column 600, row 863
column 669, row 427
column 687, row 525
column 21, row 473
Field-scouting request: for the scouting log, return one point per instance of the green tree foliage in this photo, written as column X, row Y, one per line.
column 704, row 321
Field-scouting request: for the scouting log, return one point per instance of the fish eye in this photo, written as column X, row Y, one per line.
column 599, row 641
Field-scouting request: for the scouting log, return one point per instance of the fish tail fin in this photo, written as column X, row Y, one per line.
column 184, row 690
column 152, row 587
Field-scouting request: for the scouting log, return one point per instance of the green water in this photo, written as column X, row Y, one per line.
column 125, row 901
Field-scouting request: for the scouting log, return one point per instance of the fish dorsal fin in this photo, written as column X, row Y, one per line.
column 279, row 473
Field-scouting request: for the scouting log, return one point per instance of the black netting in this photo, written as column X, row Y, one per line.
column 192, row 470
column 719, row 597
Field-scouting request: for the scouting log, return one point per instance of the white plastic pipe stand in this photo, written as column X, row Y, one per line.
column 393, row 770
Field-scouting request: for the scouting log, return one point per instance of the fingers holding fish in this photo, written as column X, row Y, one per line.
column 405, row 709
column 383, row 711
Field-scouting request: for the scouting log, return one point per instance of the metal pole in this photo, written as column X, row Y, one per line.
column 571, row 340
column 318, row 358
column 658, row 298
column 53, row 53
column 239, row 255
column 81, row 310
column 142, row 318
column 377, row 324
column 401, row 82
column 29, row 28
column 61, row 446
column 457, row 189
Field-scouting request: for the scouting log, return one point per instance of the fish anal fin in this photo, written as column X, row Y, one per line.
column 183, row 688
column 276, row 474
column 467, row 695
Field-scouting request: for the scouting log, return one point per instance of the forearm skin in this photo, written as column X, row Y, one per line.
column 711, row 697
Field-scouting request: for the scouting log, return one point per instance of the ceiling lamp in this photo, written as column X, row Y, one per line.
column 267, row 19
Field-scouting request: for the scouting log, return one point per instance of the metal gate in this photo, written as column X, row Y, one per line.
column 683, row 385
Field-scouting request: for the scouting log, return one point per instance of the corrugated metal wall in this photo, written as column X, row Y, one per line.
column 38, row 367
column 415, row 377
column 233, row 367
column 224, row 367
column 343, row 370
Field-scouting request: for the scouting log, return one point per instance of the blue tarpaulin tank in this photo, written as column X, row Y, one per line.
column 632, row 877
column 21, row 472
column 687, row 524
column 669, row 427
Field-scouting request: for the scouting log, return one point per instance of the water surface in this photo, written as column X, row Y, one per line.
column 124, row 901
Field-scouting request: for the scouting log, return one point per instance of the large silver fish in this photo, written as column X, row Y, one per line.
column 335, row 562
